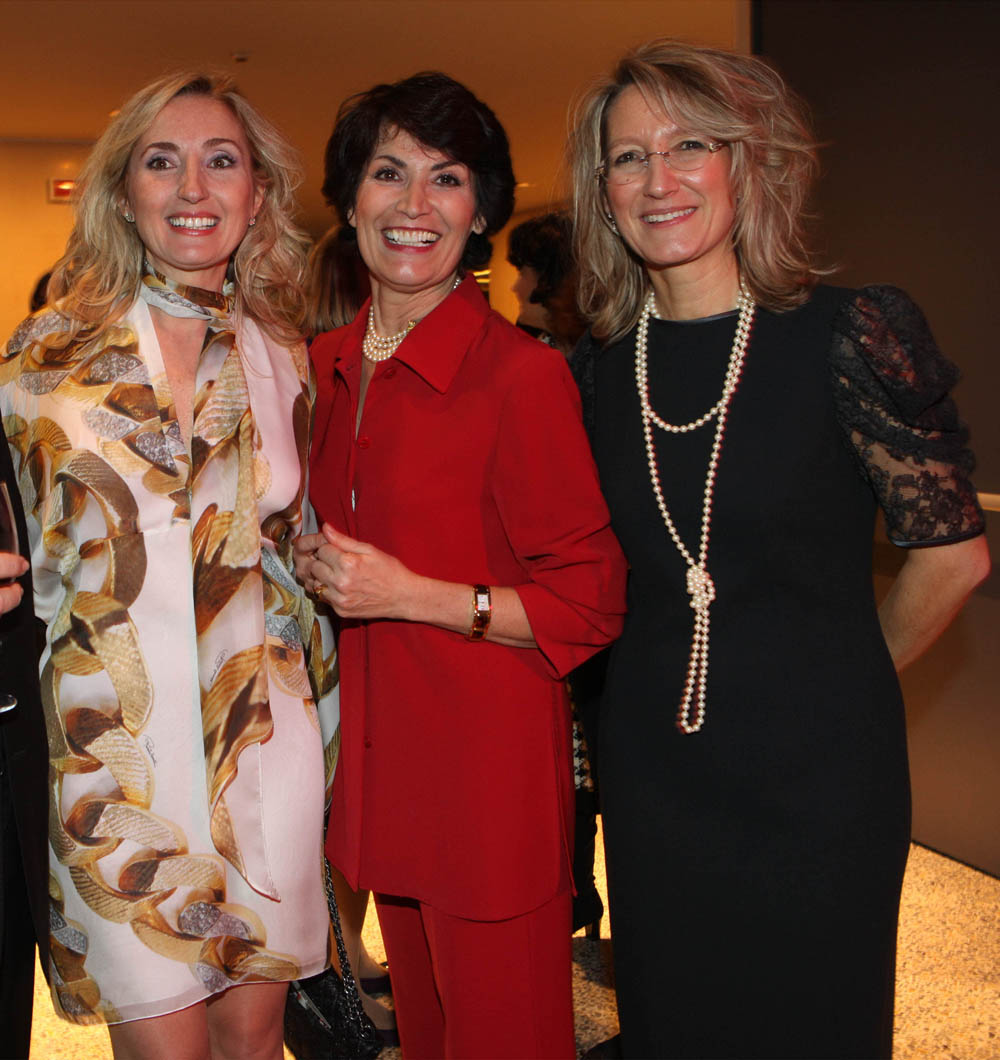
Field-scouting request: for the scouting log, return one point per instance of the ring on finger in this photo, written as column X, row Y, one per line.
column 319, row 588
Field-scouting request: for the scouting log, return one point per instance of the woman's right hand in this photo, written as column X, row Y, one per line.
column 304, row 555
column 360, row 581
column 356, row 579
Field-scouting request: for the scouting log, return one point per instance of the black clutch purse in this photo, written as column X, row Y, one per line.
column 324, row 1019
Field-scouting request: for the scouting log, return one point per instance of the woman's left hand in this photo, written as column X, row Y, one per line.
column 355, row 578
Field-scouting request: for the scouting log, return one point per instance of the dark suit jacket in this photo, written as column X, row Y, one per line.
column 22, row 731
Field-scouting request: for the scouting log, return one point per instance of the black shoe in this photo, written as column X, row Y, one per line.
column 587, row 912
column 389, row 1036
column 607, row 1050
column 376, row 984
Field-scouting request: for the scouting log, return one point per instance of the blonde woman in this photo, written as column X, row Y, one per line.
column 158, row 416
column 747, row 424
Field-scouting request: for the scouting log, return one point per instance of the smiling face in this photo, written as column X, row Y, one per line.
column 191, row 188
column 672, row 221
column 413, row 212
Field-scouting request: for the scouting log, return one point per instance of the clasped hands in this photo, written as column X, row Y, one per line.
column 356, row 579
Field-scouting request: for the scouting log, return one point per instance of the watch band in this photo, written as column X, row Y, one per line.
column 482, row 612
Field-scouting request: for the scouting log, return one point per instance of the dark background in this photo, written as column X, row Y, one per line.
column 905, row 97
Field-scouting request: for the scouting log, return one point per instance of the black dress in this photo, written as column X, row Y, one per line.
column 755, row 866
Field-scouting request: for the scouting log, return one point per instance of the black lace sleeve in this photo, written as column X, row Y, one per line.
column 892, row 391
column 581, row 363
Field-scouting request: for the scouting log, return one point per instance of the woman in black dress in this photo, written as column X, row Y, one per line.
column 747, row 424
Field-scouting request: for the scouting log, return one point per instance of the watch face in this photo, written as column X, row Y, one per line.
column 482, row 601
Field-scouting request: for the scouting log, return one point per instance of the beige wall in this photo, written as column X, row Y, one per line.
column 34, row 229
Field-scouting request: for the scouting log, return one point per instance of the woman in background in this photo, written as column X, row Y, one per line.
column 541, row 249
column 336, row 281
column 158, row 417
column 752, row 747
column 24, row 872
column 468, row 554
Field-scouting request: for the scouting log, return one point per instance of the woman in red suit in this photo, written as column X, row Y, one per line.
column 467, row 550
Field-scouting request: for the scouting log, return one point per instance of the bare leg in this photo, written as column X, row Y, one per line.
column 352, row 906
column 247, row 1022
column 179, row 1035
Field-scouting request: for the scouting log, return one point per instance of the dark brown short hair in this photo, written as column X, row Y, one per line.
column 441, row 114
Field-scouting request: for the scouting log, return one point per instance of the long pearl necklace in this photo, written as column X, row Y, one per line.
column 375, row 348
column 700, row 586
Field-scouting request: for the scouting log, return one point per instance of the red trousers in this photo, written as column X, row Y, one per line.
column 474, row 988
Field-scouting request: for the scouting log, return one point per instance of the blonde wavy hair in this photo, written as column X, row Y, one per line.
column 738, row 100
column 98, row 276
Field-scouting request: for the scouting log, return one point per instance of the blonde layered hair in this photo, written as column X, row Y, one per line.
column 98, row 276
column 738, row 100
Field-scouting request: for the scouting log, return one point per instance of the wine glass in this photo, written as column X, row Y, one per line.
column 8, row 543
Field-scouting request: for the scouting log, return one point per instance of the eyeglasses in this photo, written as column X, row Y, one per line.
column 685, row 156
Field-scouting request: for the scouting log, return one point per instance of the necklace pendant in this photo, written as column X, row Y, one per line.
column 700, row 588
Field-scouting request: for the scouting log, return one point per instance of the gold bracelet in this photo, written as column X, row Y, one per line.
column 482, row 612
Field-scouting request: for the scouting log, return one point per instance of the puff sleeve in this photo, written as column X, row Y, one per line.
column 892, row 394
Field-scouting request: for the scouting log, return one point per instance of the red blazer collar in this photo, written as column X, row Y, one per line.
column 436, row 347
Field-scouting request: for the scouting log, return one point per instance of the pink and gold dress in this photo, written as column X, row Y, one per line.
column 183, row 663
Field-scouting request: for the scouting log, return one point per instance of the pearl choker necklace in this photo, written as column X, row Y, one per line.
column 700, row 586
column 374, row 348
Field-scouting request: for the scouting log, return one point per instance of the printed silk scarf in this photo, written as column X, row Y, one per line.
column 226, row 469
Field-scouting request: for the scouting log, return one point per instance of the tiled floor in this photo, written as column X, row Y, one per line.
column 948, row 980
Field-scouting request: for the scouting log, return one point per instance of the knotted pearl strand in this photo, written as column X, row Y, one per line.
column 700, row 586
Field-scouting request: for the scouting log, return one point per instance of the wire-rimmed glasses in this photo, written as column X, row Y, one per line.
column 685, row 156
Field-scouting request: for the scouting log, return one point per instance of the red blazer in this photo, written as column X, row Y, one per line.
column 471, row 465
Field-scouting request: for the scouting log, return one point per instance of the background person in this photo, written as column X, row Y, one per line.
column 336, row 281
column 747, row 424
column 541, row 249
column 468, row 554
column 39, row 294
column 23, row 797
column 158, row 417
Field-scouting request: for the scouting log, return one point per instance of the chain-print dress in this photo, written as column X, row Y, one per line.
column 182, row 663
